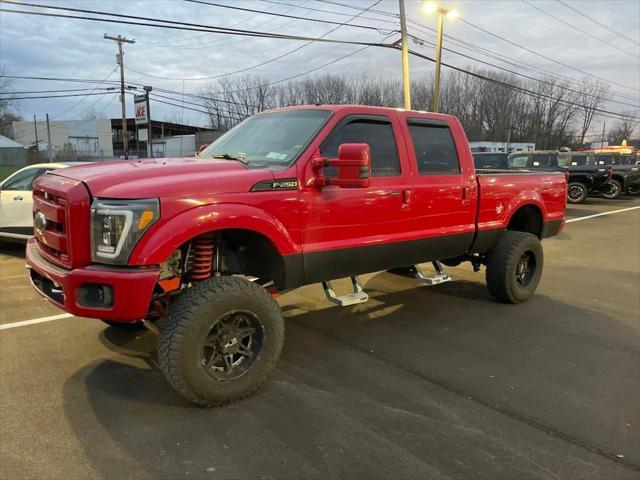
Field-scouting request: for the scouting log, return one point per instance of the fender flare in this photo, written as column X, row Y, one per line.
column 164, row 238
column 526, row 199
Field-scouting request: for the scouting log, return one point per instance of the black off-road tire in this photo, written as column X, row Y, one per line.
column 133, row 327
column 581, row 192
column 612, row 190
column 502, row 267
column 191, row 318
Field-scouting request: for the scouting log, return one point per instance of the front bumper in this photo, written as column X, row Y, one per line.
column 129, row 289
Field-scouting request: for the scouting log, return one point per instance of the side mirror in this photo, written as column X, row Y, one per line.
column 202, row 147
column 353, row 164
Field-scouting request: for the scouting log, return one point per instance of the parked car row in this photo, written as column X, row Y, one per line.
column 603, row 174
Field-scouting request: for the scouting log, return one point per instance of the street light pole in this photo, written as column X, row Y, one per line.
column 406, row 82
column 431, row 7
column 436, row 81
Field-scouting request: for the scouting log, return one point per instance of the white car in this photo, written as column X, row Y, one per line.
column 16, row 202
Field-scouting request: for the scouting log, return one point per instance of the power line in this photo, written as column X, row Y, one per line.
column 321, row 10
column 167, row 24
column 394, row 15
column 61, row 96
column 544, row 56
column 52, row 91
column 609, row 29
column 246, row 69
column 307, row 19
column 578, row 29
column 58, row 115
column 513, row 72
column 520, row 89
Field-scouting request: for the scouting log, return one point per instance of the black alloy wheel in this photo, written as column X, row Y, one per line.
column 577, row 192
column 232, row 345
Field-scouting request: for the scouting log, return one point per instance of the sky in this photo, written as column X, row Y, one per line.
column 604, row 45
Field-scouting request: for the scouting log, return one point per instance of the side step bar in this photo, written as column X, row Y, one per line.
column 358, row 295
column 414, row 272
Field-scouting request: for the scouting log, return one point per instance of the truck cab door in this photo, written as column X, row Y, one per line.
column 444, row 210
column 16, row 203
column 348, row 231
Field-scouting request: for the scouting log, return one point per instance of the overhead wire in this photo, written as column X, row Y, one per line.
column 578, row 29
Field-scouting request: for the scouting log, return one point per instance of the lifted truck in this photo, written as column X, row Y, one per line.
column 289, row 197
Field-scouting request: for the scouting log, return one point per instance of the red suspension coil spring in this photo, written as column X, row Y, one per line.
column 201, row 257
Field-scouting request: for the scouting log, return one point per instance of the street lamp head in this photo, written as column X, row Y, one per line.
column 429, row 7
column 453, row 13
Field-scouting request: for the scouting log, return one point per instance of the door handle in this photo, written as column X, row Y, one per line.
column 407, row 198
column 17, row 198
column 395, row 193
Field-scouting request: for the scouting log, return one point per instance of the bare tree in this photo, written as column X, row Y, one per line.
column 8, row 104
column 624, row 129
column 593, row 93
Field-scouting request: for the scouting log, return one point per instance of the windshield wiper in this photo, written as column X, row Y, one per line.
column 229, row 156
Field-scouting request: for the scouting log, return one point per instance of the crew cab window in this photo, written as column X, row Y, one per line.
column 375, row 131
column 23, row 180
column 434, row 148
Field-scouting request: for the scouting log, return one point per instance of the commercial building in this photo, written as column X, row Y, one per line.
column 12, row 153
column 101, row 139
column 502, row 147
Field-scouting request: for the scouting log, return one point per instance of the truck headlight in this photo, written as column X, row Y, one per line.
column 118, row 225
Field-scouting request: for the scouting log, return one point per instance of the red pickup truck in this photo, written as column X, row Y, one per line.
column 289, row 197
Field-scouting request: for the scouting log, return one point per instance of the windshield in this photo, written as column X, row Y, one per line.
column 272, row 138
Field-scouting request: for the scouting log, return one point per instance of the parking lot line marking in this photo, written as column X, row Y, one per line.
column 33, row 321
column 600, row 214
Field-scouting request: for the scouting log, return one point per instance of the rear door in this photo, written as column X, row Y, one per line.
column 445, row 189
column 358, row 230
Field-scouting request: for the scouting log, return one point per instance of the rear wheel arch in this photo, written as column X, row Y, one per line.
column 527, row 218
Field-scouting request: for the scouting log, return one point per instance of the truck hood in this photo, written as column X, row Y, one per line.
column 165, row 177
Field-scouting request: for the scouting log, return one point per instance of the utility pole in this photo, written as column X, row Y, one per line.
column 604, row 125
column 49, row 146
column 406, row 82
column 120, row 60
column 35, row 127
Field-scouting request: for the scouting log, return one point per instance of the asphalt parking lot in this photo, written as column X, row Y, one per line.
column 420, row 382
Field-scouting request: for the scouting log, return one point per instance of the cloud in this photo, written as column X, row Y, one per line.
column 55, row 47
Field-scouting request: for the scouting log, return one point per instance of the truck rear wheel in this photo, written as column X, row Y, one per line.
column 514, row 267
column 577, row 192
column 221, row 340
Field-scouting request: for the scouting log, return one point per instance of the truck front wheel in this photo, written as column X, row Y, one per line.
column 514, row 267
column 221, row 340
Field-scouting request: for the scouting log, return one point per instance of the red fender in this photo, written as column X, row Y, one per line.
column 165, row 237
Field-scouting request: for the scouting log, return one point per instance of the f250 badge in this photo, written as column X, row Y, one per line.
column 499, row 208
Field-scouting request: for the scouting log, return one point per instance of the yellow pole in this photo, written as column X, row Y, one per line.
column 406, row 83
column 436, row 82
